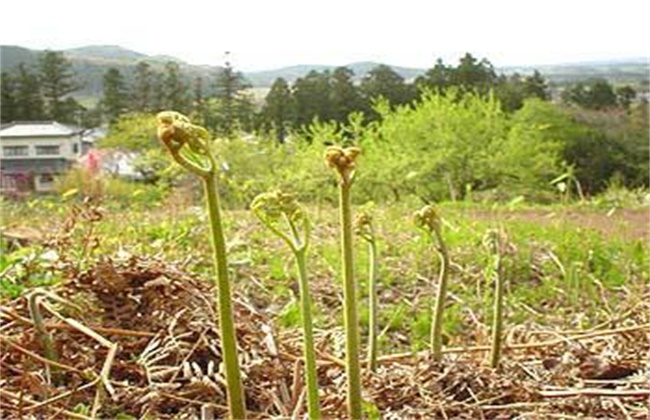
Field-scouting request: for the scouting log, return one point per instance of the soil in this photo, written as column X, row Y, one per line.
column 626, row 224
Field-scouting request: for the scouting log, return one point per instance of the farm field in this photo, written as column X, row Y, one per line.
column 128, row 295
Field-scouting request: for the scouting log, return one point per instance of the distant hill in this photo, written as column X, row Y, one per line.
column 633, row 71
column 266, row 78
column 11, row 56
column 91, row 63
column 105, row 52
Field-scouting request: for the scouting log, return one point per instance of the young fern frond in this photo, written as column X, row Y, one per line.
column 343, row 161
column 276, row 210
column 45, row 339
column 363, row 227
column 429, row 219
column 189, row 146
column 495, row 243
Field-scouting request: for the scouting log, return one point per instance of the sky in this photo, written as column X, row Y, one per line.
column 262, row 35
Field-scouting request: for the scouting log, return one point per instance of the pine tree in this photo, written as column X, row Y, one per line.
column 233, row 106
column 383, row 81
column 602, row 95
column 474, row 75
column 625, row 95
column 72, row 112
column 175, row 91
column 8, row 98
column 535, row 86
column 438, row 78
column 311, row 95
column 115, row 98
column 278, row 111
column 198, row 99
column 344, row 96
column 56, row 80
column 509, row 90
column 29, row 102
column 143, row 88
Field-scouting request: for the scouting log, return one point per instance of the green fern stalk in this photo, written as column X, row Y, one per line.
column 363, row 227
column 494, row 242
column 42, row 335
column 429, row 219
column 343, row 161
column 188, row 145
column 270, row 208
column 308, row 345
column 372, row 307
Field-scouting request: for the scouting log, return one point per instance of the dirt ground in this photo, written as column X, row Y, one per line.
column 626, row 224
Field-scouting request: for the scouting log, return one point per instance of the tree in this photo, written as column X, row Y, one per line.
column 438, row 148
column 473, row 75
column 158, row 96
column 383, row 81
column 625, row 95
column 278, row 111
column 510, row 92
column 576, row 94
column 198, row 100
column 175, row 96
column 134, row 132
column 597, row 94
column 29, row 102
column 602, row 95
column 143, row 88
column 72, row 112
column 233, row 105
column 535, row 86
column 344, row 96
column 438, row 78
column 8, row 98
column 311, row 95
column 56, row 80
column 115, row 97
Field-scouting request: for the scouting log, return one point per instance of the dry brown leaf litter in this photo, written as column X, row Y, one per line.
column 168, row 362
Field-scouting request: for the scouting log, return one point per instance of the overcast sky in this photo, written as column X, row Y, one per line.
column 276, row 33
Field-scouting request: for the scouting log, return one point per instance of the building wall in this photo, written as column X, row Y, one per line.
column 40, row 168
column 66, row 147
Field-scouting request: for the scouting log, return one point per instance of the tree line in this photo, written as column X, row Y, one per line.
column 225, row 105
column 42, row 92
column 439, row 126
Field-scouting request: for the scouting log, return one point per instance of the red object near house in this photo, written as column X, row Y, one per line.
column 92, row 162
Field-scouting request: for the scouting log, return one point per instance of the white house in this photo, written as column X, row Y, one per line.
column 33, row 153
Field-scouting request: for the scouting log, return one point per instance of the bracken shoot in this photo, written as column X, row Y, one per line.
column 189, row 145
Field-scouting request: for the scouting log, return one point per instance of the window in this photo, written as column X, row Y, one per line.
column 45, row 182
column 46, row 178
column 47, row 150
column 15, row 151
column 75, row 148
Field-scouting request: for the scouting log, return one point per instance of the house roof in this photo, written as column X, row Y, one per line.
column 38, row 129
